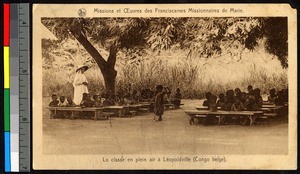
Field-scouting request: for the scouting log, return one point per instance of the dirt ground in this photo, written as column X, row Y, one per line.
column 173, row 136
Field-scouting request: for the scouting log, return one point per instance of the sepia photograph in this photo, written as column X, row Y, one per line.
column 178, row 87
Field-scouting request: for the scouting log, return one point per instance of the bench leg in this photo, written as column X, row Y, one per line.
column 55, row 114
column 95, row 115
column 192, row 120
column 220, row 119
column 252, row 119
column 51, row 114
column 72, row 115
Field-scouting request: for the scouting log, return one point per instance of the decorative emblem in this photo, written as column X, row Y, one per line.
column 82, row 12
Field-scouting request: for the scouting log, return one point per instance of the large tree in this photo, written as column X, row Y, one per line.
column 201, row 37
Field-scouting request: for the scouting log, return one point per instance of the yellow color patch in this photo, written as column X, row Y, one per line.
column 6, row 67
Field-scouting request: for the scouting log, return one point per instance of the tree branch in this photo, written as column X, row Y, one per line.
column 76, row 32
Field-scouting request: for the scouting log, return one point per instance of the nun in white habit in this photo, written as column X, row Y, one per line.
column 80, row 84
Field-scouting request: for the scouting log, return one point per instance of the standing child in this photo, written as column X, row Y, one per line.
column 159, row 103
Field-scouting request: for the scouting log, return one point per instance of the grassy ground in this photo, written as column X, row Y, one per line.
column 172, row 136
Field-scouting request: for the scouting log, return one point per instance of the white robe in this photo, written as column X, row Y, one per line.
column 79, row 88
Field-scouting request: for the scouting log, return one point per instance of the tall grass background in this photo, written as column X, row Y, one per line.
column 192, row 74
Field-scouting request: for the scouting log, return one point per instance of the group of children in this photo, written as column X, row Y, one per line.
column 118, row 98
column 160, row 97
column 278, row 97
column 236, row 100
column 61, row 102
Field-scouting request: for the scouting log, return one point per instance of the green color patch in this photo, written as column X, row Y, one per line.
column 6, row 110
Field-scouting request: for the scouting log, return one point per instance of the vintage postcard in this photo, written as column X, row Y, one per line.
column 164, row 86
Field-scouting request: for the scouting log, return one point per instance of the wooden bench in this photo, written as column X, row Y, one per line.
column 122, row 111
column 105, row 115
column 97, row 111
column 119, row 111
column 144, row 110
column 251, row 115
column 168, row 105
column 171, row 105
column 204, row 108
column 132, row 113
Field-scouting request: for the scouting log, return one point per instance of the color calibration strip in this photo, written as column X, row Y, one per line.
column 16, row 87
column 6, row 29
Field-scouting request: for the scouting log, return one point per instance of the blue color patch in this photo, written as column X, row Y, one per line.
column 7, row 151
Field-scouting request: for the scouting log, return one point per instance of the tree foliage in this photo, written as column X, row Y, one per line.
column 203, row 37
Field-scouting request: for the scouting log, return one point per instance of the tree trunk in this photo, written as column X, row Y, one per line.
column 110, row 79
column 109, row 73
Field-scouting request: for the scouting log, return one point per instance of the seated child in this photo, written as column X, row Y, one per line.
column 134, row 96
column 285, row 95
column 237, row 92
column 237, row 105
column 54, row 101
column 106, row 101
column 212, row 103
column 229, row 99
column 166, row 96
column 280, row 98
column 70, row 102
column 127, row 99
column 103, row 94
column 272, row 95
column 97, row 101
column 221, row 102
column 86, row 101
column 144, row 95
column 212, row 106
column 151, row 95
column 258, row 97
column 207, row 97
column 62, row 101
column 177, row 98
column 243, row 97
column 249, row 88
column 250, row 103
column 168, row 91
column 112, row 99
